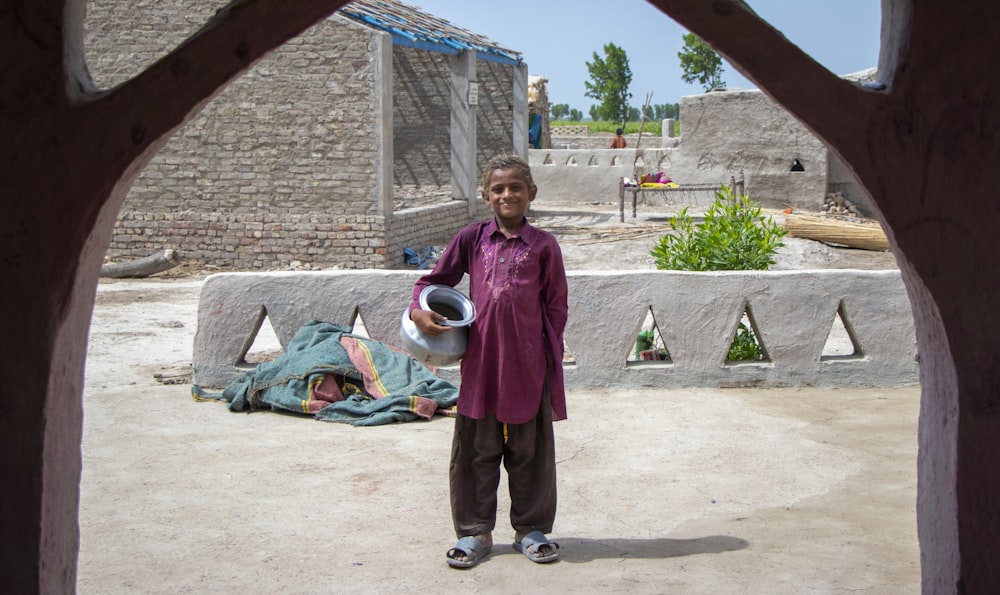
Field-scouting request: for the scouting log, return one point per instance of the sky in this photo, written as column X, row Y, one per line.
column 557, row 38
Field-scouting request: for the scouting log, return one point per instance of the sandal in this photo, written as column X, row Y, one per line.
column 470, row 547
column 534, row 544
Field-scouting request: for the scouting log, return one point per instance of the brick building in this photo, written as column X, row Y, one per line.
column 300, row 162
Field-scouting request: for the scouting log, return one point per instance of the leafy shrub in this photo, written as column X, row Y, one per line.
column 734, row 236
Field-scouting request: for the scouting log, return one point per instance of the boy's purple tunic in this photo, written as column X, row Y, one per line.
column 518, row 285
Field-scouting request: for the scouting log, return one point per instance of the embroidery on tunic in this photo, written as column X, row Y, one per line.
column 518, row 254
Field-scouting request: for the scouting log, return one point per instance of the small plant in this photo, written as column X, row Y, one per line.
column 744, row 346
column 734, row 236
column 646, row 343
column 643, row 342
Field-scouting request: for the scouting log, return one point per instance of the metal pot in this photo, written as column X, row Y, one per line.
column 448, row 347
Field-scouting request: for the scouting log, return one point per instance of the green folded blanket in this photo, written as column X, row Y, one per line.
column 375, row 383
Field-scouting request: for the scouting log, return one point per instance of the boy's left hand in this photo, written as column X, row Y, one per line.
column 429, row 322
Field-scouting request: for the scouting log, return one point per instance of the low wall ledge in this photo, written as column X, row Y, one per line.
column 794, row 314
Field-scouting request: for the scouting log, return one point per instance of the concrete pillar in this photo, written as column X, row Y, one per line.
column 464, row 98
column 668, row 128
column 521, row 111
column 383, row 128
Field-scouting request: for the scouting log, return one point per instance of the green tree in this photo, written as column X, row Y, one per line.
column 575, row 115
column 559, row 110
column 609, row 80
column 666, row 110
column 594, row 114
column 701, row 63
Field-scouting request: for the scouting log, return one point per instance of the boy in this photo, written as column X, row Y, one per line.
column 618, row 141
column 512, row 377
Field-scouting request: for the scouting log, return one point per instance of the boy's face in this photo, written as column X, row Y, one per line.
column 509, row 194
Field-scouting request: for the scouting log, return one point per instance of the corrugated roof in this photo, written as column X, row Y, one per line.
column 413, row 27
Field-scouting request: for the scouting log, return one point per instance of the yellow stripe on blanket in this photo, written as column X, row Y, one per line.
column 313, row 383
column 382, row 391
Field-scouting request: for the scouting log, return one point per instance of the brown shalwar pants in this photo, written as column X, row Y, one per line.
column 528, row 454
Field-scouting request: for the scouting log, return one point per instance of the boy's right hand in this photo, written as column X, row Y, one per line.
column 429, row 322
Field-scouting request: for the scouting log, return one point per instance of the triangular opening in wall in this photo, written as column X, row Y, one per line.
column 649, row 347
column 593, row 161
column 745, row 345
column 616, row 161
column 548, row 159
column 571, row 161
column 640, row 164
column 568, row 358
column 841, row 342
column 358, row 325
column 261, row 345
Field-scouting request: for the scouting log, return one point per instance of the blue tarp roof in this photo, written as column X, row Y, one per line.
column 410, row 26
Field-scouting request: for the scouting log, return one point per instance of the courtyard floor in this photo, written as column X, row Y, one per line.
column 661, row 491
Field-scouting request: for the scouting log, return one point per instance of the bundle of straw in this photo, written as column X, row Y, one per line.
column 835, row 231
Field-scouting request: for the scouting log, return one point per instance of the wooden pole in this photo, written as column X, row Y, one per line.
column 642, row 122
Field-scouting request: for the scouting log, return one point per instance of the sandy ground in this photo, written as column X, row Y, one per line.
column 681, row 491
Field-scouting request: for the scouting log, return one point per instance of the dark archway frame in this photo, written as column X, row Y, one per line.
column 924, row 145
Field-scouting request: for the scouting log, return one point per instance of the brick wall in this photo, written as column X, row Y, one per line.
column 278, row 171
column 421, row 111
column 495, row 114
column 258, row 241
column 431, row 225
column 422, row 117
column 277, row 168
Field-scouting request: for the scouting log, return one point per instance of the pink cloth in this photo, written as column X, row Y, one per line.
column 322, row 393
column 519, row 287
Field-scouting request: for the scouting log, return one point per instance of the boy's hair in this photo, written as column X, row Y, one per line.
column 506, row 161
